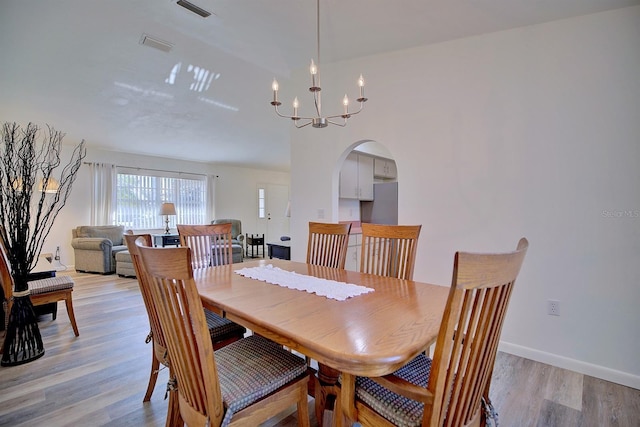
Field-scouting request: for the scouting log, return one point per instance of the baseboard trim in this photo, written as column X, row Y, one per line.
column 579, row 366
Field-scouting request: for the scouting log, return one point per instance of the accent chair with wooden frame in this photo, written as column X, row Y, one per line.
column 41, row 291
column 244, row 383
column 448, row 390
column 389, row 250
column 327, row 244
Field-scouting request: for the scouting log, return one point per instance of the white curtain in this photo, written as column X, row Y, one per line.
column 211, row 197
column 103, row 193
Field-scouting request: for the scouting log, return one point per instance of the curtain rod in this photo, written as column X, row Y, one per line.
column 156, row 170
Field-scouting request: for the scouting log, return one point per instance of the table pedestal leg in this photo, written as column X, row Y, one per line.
column 327, row 390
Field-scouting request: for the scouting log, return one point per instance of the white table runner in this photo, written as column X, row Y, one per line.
column 314, row 285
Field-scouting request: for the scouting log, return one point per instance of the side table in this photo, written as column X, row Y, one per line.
column 281, row 250
column 254, row 242
column 162, row 240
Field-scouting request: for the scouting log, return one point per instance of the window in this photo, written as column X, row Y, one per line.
column 261, row 207
column 140, row 194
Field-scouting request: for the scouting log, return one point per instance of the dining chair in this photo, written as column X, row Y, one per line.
column 327, row 247
column 155, row 337
column 222, row 331
column 389, row 250
column 243, row 383
column 210, row 243
column 447, row 390
column 41, row 291
column 327, row 244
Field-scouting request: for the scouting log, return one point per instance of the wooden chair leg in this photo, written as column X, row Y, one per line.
column 71, row 314
column 303, row 407
column 153, row 377
column 174, row 419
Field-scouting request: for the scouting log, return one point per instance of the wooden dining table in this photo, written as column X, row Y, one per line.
column 367, row 335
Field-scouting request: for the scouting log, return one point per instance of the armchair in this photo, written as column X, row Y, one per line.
column 95, row 247
column 237, row 238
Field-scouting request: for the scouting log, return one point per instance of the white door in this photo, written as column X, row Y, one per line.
column 275, row 223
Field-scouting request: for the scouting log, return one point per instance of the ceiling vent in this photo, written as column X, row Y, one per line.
column 155, row 43
column 193, row 8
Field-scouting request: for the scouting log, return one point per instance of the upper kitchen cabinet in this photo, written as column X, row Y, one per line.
column 356, row 177
column 385, row 169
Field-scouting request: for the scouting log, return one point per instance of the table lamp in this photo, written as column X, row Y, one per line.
column 167, row 209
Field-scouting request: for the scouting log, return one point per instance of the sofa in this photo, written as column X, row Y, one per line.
column 237, row 238
column 95, row 247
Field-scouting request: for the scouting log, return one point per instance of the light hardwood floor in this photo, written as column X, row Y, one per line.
column 99, row 378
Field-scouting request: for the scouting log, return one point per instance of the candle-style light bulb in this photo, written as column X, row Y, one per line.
column 361, row 84
column 313, row 70
column 274, row 86
column 295, row 107
column 345, row 102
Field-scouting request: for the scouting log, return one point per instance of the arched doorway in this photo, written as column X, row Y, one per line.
column 368, row 184
column 375, row 200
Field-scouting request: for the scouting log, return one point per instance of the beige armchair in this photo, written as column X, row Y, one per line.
column 95, row 247
column 237, row 241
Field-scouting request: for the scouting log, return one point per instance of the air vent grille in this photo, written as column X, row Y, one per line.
column 193, row 8
column 147, row 40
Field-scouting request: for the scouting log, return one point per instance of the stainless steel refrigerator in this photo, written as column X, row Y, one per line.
column 384, row 207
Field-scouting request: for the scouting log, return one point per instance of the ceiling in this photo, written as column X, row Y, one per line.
column 79, row 65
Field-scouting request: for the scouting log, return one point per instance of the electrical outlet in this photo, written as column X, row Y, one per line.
column 57, row 257
column 553, row 307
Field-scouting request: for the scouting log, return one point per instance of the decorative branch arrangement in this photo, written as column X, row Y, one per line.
column 30, row 199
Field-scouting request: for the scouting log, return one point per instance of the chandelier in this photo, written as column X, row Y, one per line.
column 318, row 121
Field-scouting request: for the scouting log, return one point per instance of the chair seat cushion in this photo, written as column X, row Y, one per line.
column 221, row 328
column 400, row 410
column 252, row 368
column 50, row 284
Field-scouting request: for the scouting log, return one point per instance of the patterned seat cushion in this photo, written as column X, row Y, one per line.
column 401, row 411
column 50, row 284
column 252, row 368
column 221, row 328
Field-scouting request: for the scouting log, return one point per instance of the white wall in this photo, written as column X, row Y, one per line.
column 236, row 192
column 529, row 132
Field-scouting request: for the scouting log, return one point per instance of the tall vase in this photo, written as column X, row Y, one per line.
column 23, row 342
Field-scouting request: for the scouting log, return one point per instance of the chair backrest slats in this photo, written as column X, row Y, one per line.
column 185, row 327
column 389, row 250
column 133, row 241
column 210, row 243
column 327, row 244
column 468, row 340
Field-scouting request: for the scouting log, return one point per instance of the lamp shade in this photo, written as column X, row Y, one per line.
column 168, row 209
column 50, row 185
